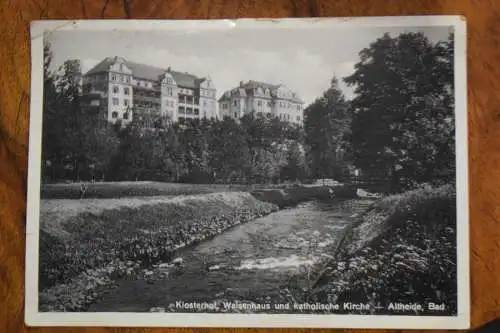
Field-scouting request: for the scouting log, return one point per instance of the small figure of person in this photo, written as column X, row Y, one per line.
column 83, row 190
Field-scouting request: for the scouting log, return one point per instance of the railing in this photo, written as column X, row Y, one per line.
column 143, row 98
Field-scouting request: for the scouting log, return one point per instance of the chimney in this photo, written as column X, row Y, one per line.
column 241, row 83
column 169, row 69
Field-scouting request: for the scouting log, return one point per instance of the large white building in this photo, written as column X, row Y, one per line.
column 262, row 99
column 124, row 90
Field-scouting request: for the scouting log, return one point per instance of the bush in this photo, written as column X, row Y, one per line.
column 402, row 250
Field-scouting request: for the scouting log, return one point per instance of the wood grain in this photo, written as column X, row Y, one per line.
column 483, row 19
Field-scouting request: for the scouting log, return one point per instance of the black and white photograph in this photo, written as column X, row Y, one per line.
column 249, row 173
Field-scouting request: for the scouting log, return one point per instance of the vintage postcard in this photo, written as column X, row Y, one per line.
column 249, row 173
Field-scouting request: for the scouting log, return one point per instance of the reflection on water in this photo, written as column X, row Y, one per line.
column 248, row 262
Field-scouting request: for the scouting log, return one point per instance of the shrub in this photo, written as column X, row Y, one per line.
column 402, row 250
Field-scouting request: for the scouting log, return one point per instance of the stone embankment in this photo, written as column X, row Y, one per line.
column 83, row 253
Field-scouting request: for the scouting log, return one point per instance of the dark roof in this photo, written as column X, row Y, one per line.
column 243, row 88
column 147, row 72
column 103, row 66
column 254, row 84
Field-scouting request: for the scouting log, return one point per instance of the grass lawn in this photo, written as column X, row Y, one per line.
column 132, row 189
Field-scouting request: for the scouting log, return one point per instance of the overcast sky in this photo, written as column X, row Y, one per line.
column 303, row 60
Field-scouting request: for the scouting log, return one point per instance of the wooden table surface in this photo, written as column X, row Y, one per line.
column 483, row 19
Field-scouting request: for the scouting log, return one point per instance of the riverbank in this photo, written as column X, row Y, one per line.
column 401, row 250
column 295, row 195
column 86, row 244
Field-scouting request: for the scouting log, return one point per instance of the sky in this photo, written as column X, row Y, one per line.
column 304, row 60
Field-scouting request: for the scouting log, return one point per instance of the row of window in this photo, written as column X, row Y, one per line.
column 170, row 102
column 128, row 79
column 257, row 91
column 169, row 92
column 183, row 110
column 120, row 78
column 116, row 90
column 288, row 105
column 207, row 93
column 145, row 84
column 281, row 116
column 116, row 101
column 287, row 117
column 114, row 115
column 259, row 103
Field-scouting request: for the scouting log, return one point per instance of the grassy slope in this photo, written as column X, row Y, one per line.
column 404, row 245
column 132, row 189
column 82, row 237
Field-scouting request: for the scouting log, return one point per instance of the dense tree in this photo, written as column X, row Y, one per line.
column 403, row 124
column 229, row 151
column 76, row 144
column 327, row 122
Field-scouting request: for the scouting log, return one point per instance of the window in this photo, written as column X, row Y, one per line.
column 122, row 78
column 235, row 102
column 113, row 77
column 115, row 101
column 126, row 90
column 115, row 89
column 196, row 111
column 128, row 79
column 259, row 103
column 125, row 115
column 182, row 110
column 298, row 118
column 235, row 115
column 125, row 102
column 114, row 114
column 269, row 104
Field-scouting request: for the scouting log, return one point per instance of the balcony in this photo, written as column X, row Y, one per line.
column 188, row 100
column 147, row 98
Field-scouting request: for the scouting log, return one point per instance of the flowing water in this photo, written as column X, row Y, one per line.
column 251, row 262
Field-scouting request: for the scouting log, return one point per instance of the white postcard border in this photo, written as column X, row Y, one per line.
column 35, row 318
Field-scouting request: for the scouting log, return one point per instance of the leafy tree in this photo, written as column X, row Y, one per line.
column 295, row 168
column 403, row 124
column 327, row 122
column 52, row 146
column 230, row 154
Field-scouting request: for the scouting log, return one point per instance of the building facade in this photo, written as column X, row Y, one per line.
column 262, row 99
column 124, row 90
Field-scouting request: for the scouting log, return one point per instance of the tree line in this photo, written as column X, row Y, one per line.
column 399, row 127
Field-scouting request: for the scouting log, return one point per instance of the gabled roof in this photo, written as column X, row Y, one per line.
column 254, row 84
column 247, row 88
column 148, row 72
column 103, row 66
